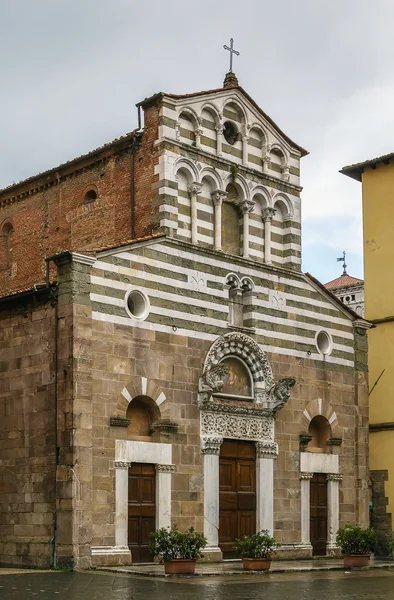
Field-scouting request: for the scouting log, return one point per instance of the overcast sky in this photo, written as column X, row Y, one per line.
column 71, row 72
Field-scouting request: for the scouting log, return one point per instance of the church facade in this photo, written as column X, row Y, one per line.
column 165, row 360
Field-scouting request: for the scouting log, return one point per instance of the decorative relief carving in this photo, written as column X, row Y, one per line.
column 211, row 444
column 268, row 214
column 306, row 475
column 280, row 392
column 237, row 426
column 165, row 468
column 267, row 449
column 277, row 300
column 197, row 281
column 247, row 206
column 119, row 464
column 334, row 477
column 194, row 188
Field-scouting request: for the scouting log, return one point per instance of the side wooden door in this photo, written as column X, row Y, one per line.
column 237, row 493
column 142, row 510
column 318, row 514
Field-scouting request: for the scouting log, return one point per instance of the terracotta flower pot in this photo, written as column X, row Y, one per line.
column 179, row 566
column 256, row 564
column 356, row 560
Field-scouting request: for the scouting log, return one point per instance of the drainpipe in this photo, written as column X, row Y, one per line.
column 132, row 189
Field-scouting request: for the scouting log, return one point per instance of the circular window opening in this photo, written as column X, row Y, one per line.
column 230, row 132
column 90, row 196
column 323, row 342
column 137, row 304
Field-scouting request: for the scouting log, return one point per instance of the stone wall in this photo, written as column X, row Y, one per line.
column 27, row 440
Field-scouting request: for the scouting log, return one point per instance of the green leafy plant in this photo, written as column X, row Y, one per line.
column 353, row 539
column 168, row 544
column 258, row 545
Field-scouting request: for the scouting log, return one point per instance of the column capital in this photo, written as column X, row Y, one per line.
column 219, row 129
column 218, row 196
column 268, row 214
column 194, row 188
column 211, row 444
column 306, row 476
column 267, row 449
column 165, row 468
column 334, row 477
column 121, row 464
column 247, row 206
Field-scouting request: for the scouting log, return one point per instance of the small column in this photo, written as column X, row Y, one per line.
column 305, row 508
column 333, row 480
column 245, row 141
column 121, row 503
column 163, row 495
column 266, row 162
column 198, row 133
column 194, row 189
column 246, row 207
column 267, row 216
column 265, row 456
column 218, row 197
column 219, row 139
column 210, row 448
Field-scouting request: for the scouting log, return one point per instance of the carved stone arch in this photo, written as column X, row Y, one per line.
column 233, row 281
column 235, row 100
column 260, row 129
column 276, row 148
column 242, row 346
column 285, row 205
column 247, row 284
column 213, row 176
column 141, row 386
column 191, row 114
column 189, row 166
column 317, row 407
column 261, row 195
column 241, row 186
column 214, row 110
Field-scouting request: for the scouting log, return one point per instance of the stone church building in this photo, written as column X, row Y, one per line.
column 163, row 359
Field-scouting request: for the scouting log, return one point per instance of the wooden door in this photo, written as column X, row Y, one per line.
column 142, row 510
column 318, row 513
column 237, row 493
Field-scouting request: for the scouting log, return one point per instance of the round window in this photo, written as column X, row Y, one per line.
column 230, row 132
column 323, row 342
column 137, row 304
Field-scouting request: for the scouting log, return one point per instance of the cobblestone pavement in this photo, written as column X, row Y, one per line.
column 328, row 585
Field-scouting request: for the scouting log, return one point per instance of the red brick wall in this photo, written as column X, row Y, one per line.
column 56, row 219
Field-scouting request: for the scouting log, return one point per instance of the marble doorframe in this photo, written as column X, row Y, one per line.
column 126, row 453
column 328, row 464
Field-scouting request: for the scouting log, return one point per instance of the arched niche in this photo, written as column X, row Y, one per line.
column 320, row 431
column 187, row 127
column 6, row 236
column 231, row 222
column 209, row 121
column 238, row 382
column 142, row 412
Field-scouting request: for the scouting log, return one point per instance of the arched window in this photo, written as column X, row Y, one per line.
column 238, row 382
column 320, row 430
column 90, row 196
column 142, row 412
column 6, row 246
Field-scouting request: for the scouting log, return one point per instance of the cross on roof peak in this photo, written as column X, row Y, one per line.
column 232, row 51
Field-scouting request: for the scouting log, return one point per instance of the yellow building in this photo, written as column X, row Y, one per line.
column 377, row 178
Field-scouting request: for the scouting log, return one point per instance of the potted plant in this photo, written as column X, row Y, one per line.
column 256, row 550
column 356, row 544
column 178, row 550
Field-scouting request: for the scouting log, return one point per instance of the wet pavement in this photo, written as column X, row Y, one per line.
column 322, row 585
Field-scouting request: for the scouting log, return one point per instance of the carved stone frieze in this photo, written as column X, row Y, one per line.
column 267, row 449
column 306, row 475
column 334, row 477
column 237, row 426
column 165, row 468
column 120, row 464
column 280, row 392
column 211, row 444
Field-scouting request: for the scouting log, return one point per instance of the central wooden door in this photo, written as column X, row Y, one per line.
column 237, row 493
column 318, row 514
column 142, row 510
